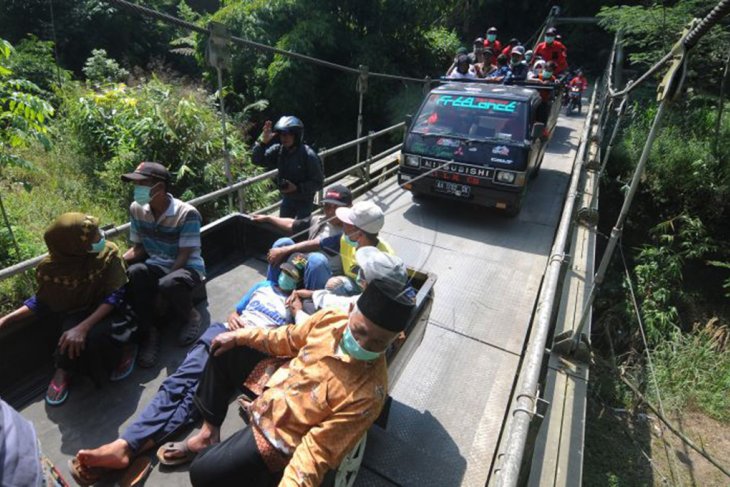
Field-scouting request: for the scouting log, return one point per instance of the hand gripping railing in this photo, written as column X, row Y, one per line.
column 214, row 195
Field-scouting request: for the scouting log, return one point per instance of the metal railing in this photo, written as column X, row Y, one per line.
column 25, row 265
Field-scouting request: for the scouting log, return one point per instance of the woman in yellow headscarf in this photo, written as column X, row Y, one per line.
column 81, row 282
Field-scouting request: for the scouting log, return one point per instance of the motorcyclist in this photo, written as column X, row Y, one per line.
column 553, row 50
column 300, row 169
column 491, row 41
column 579, row 81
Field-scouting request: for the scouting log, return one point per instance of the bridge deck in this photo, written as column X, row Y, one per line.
column 450, row 403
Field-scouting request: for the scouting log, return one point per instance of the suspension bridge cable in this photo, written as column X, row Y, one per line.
column 170, row 19
column 690, row 40
column 643, row 339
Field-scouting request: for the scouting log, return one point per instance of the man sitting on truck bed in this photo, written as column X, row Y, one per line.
column 314, row 227
column 263, row 306
column 313, row 410
column 361, row 225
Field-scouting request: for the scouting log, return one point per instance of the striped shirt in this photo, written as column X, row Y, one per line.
column 162, row 238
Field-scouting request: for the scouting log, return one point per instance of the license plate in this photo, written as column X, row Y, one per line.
column 461, row 190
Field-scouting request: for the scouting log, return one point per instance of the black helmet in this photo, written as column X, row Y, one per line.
column 290, row 124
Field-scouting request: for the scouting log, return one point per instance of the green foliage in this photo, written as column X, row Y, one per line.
column 367, row 33
column 23, row 113
column 99, row 69
column 34, row 60
column 118, row 126
column 694, row 370
column 651, row 31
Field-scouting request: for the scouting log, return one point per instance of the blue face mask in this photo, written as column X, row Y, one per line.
column 286, row 282
column 491, row 37
column 549, row 39
column 547, row 74
column 142, row 194
column 353, row 349
column 98, row 246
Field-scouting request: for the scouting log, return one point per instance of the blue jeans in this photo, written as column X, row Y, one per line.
column 315, row 274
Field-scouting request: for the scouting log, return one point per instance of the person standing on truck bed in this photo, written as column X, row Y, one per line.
column 518, row 66
column 300, row 169
column 553, row 50
column 165, row 264
column 491, row 41
column 313, row 410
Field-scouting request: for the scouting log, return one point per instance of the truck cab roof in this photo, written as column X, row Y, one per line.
column 507, row 92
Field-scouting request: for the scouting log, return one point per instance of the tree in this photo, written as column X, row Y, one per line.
column 23, row 113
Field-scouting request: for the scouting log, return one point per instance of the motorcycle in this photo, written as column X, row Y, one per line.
column 574, row 103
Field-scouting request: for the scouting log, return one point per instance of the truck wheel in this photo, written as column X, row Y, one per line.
column 347, row 472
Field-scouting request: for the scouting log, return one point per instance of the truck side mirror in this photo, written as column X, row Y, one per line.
column 408, row 120
column 537, row 129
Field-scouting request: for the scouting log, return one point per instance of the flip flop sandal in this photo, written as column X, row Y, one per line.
column 125, row 367
column 136, row 473
column 179, row 446
column 60, row 393
column 85, row 476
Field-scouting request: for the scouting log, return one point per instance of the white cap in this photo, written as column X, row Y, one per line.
column 388, row 271
column 365, row 215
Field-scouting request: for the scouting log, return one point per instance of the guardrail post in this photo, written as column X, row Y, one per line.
column 320, row 193
column 362, row 88
column 369, row 156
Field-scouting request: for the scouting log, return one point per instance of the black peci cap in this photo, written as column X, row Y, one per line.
column 384, row 309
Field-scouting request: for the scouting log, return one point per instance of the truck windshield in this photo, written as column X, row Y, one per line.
column 473, row 118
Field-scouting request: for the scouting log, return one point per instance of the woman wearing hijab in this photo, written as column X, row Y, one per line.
column 81, row 285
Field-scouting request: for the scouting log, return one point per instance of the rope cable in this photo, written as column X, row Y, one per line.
column 643, row 339
column 690, row 40
column 256, row 45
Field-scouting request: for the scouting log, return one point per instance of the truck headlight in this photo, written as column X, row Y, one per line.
column 411, row 161
column 505, row 177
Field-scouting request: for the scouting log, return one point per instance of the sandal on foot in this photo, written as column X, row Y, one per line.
column 172, row 447
column 125, row 366
column 136, row 473
column 57, row 394
column 85, row 476
column 149, row 349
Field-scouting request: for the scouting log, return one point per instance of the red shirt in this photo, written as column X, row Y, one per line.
column 554, row 51
column 495, row 46
column 507, row 51
column 579, row 81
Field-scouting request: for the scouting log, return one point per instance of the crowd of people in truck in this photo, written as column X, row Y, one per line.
column 489, row 59
column 306, row 344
